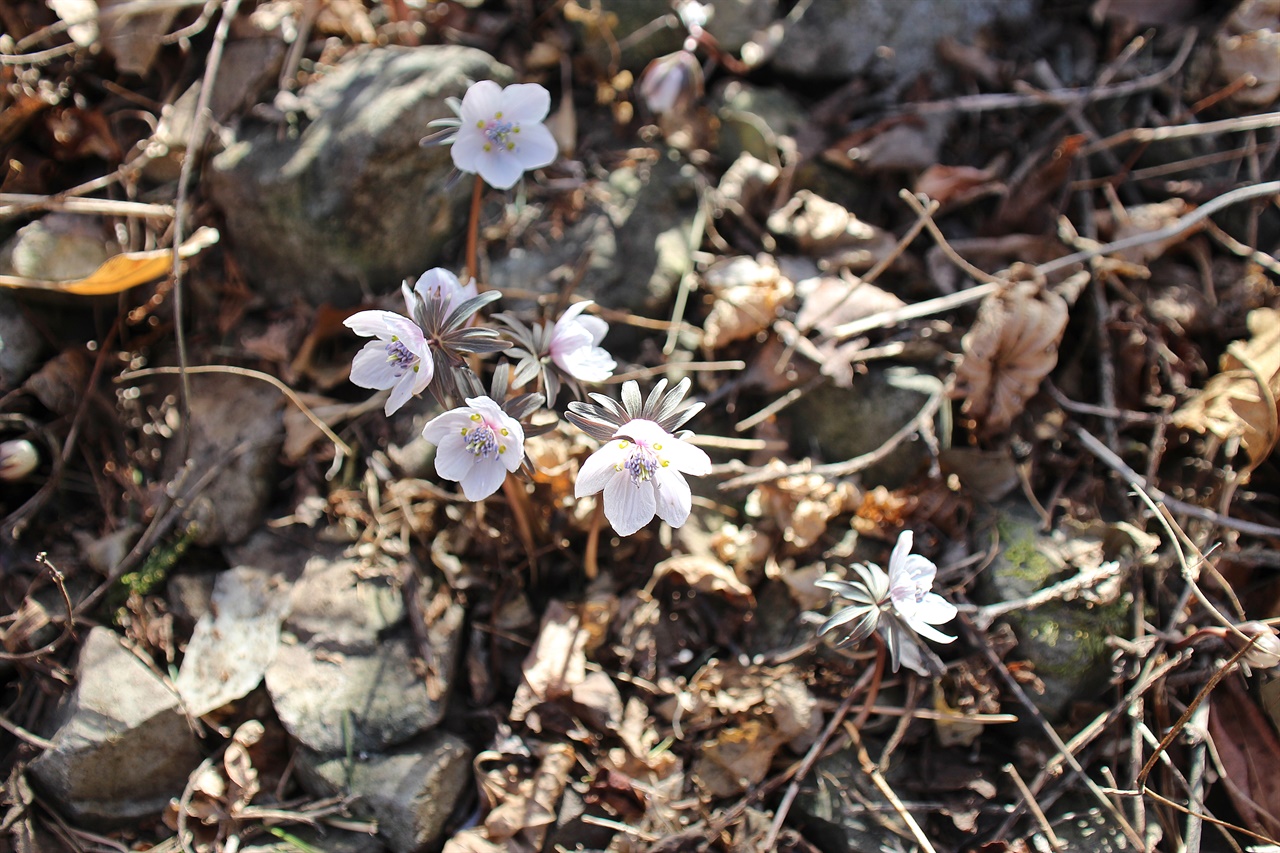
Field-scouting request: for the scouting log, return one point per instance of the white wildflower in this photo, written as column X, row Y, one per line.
column 477, row 445
column 500, row 133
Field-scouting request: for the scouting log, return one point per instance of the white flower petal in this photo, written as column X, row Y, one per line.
column 401, row 392
column 382, row 324
column 481, row 102
column 599, row 469
column 466, row 149
column 484, row 478
column 535, row 146
column 673, row 496
column 453, row 460
column 588, row 363
column 370, row 368
column 899, row 556
column 924, row 629
column 934, row 609
column 451, row 422
column 595, row 326
column 500, row 169
column 684, row 457
column 521, row 102
column 627, row 505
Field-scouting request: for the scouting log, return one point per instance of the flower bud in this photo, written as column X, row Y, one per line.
column 671, row 82
column 18, row 458
column 1265, row 651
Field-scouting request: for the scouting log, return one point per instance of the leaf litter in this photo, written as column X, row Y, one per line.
column 667, row 691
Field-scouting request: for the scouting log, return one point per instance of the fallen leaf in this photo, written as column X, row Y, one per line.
column 828, row 302
column 748, row 294
column 952, row 186
column 1012, row 346
column 1249, row 47
column 707, row 575
column 1241, row 401
column 1249, row 750
column 825, row 229
column 123, row 271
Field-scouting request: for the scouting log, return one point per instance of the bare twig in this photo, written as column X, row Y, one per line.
column 13, row 204
column 1061, row 97
column 877, row 778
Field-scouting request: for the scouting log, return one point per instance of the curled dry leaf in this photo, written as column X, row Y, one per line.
column 801, row 505
column 1012, row 346
column 956, row 185
column 1146, row 219
column 825, row 229
column 1241, row 401
column 1249, row 47
column 707, row 575
column 748, row 295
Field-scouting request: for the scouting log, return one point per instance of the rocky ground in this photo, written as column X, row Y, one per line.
column 1001, row 273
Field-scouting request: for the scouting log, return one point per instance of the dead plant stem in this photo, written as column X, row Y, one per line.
column 473, row 230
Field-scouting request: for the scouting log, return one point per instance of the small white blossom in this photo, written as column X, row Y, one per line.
column 501, row 135
column 574, row 345
column 893, row 604
column 671, row 81
column 476, row 446
column 641, row 471
column 18, row 458
column 452, row 292
column 400, row 358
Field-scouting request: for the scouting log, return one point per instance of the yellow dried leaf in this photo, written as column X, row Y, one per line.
column 1012, row 346
column 122, row 272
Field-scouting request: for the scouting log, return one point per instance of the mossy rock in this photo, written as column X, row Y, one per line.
column 1066, row 641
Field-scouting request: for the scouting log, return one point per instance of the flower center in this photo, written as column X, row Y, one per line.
column 400, row 357
column 641, row 463
column 483, row 440
column 500, row 133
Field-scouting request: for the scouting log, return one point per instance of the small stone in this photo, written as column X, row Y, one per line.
column 236, row 430
column 20, row 344
column 123, row 746
column 345, row 674
column 410, row 792
column 354, row 203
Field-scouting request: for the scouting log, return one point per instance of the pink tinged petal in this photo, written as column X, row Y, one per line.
column 897, row 560
column 483, row 479
column 523, row 102
column 600, row 469
column 573, row 312
column 674, row 498
column 481, row 102
column 629, row 506
column 567, row 337
column 453, row 460
column 370, row 368
column 684, row 457
column 438, row 280
column 450, row 423
column 499, row 169
column 535, row 146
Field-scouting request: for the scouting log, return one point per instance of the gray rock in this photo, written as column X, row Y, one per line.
column 237, row 427
column 637, row 240
column 737, row 22
column 354, row 203
column 1064, row 640
column 837, row 40
column 410, row 791
column 755, row 119
column 20, row 344
column 841, row 423
column 345, row 674
column 123, row 746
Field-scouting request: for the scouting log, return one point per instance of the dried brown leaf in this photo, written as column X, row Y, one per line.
column 1012, row 346
column 748, row 294
column 1249, row 750
column 956, row 185
column 1241, row 401
column 707, row 575
column 123, row 271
